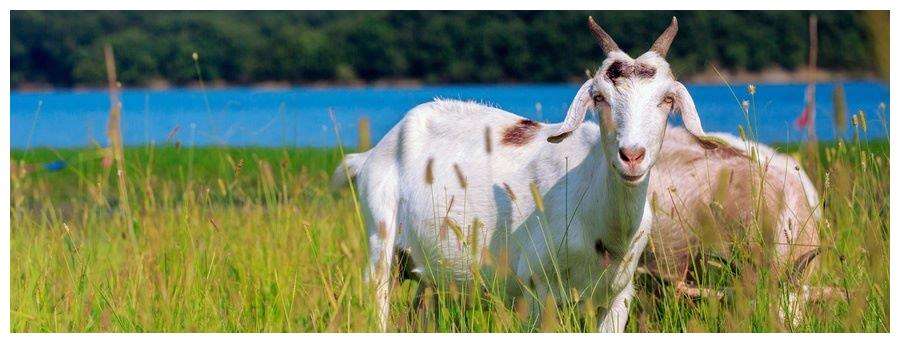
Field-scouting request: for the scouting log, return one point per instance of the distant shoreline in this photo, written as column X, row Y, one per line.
column 709, row 77
column 328, row 148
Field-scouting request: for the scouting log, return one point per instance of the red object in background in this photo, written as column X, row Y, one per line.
column 803, row 120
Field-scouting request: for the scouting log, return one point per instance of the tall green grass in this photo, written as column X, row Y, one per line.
column 252, row 239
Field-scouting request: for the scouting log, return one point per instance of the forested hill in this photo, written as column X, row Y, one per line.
column 64, row 49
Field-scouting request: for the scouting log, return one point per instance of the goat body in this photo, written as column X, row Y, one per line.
column 449, row 199
column 704, row 202
column 556, row 210
column 691, row 185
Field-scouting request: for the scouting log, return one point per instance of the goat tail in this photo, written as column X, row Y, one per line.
column 347, row 170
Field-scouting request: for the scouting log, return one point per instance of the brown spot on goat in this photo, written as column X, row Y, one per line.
column 621, row 69
column 521, row 133
column 644, row 71
column 616, row 70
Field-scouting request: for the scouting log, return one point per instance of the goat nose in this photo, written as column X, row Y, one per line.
column 632, row 156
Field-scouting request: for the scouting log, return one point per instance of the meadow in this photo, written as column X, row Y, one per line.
column 229, row 239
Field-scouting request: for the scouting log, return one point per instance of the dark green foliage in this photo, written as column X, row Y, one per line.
column 64, row 48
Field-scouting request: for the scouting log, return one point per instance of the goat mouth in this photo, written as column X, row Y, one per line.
column 631, row 179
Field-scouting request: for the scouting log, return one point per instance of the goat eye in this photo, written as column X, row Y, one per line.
column 668, row 100
column 598, row 98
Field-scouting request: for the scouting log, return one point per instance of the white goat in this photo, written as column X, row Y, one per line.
column 687, row 188
column 561, row 206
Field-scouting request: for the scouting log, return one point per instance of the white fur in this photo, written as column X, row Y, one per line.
column 588, row 193
column 393, row 189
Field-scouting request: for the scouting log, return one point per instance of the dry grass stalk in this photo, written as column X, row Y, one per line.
column 114, row 134
column 365, row 136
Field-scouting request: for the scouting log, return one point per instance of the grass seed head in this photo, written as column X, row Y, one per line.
column 509, row 192
column 488, row 143
column 460, row 177
column 429, row 173
column 538, row 199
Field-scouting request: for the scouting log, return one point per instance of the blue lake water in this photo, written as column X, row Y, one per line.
column 300, row 116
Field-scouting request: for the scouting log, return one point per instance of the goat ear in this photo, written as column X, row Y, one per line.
column 684, row 104
column 576, row 113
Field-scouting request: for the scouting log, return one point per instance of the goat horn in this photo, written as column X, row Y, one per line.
column 661, row 46
column 606, row 42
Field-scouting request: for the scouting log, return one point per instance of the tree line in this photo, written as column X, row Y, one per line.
column 65, row 48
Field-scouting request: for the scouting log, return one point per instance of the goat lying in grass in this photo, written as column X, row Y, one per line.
column 710, row 201
column 465, row 188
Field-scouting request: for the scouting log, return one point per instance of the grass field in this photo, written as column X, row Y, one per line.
column 252, row 239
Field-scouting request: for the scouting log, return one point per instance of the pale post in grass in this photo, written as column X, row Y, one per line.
column 114, row 134
column 840, row 110
column 813, row 58
column 365, row 137
column 812, row 155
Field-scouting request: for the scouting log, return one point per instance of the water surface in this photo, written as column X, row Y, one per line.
column 300, row 116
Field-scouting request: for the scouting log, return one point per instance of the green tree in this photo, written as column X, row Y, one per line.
column 64, row 48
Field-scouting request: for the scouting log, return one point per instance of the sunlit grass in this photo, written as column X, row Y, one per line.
column 253, row 240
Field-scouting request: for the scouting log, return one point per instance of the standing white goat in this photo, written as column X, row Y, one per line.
column 561, row 206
